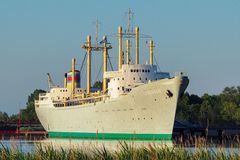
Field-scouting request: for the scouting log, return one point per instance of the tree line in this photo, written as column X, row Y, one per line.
column 207, row 110
column 27, row 114
column 222, row 110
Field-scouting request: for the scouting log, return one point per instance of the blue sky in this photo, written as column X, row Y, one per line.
column 201, row 38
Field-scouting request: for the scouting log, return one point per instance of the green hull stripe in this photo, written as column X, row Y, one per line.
column 112, row 136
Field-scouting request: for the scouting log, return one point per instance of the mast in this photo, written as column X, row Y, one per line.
column 137, row 44
column 151, row 52
column 105, row 52
column 128, row 51
column 73, row 77
column 88, row 64
column 104, row 48
column 120, row 56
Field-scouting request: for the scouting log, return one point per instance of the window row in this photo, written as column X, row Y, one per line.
column 133, row 78
column 140, row 70
column 118, row 79
column 64, row 90
column 122, row 88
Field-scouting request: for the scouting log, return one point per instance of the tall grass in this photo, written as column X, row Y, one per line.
column 125, row 152
column 200, row 142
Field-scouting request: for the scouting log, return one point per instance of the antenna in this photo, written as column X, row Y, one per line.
column 130, row 17
column 97, row 30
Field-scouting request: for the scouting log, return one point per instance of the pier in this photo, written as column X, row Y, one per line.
column 26, row 130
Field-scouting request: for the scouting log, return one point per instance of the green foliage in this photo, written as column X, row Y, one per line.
column 4, row 117
column 98, row 85
column 212, row 110
column 29, row 113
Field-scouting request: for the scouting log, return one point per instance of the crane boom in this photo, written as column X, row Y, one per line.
column 50, row 82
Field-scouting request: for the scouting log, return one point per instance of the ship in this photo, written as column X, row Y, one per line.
column 136, row 101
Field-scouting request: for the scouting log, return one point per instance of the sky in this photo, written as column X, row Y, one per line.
column 200, row 38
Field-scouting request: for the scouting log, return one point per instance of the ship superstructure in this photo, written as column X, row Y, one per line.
column 136, row 101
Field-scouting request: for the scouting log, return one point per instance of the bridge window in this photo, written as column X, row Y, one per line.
column 143, row 70
column 148, row 70
column 146, row 79
column 133, row 78
column 131, row 70
column 122, row 78
column 140, row 78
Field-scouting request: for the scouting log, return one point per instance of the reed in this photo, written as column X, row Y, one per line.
column 125, row 152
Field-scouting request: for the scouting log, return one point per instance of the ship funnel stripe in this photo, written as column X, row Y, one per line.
column 76, row 78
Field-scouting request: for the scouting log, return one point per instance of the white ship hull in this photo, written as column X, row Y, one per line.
column 146, row 113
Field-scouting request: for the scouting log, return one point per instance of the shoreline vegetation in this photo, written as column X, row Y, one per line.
column 124, row 151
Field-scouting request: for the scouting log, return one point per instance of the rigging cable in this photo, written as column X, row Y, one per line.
column 82, row 66
column 83, row 62
column 156, row 62
column 110, row 62
column 97, row 77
